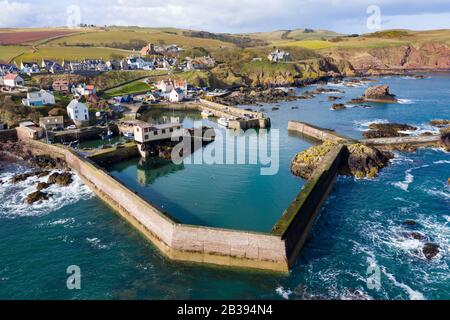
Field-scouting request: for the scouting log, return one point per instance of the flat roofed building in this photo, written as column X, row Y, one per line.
column 147, row 132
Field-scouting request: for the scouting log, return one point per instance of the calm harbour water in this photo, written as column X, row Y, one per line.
column 361, row 223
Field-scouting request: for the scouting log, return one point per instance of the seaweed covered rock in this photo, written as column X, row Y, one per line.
column 62, row 179
column 37, row 196
column 386, row 130
column 364, row 161
column 430, row 250
column 47, row 162
column 445, row 138
column 379, row 94
column 338, row 106
column 306, row 162
column 440, row 123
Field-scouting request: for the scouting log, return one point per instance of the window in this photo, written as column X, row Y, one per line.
column 155, row 132
column 146, row 137
column 164, row 131
column 171, row 130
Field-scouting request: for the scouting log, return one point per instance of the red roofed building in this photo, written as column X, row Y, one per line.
column 13, row 80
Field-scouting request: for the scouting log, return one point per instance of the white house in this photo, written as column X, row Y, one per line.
column 78, row 111
column 83, row 90
column 29, row 68
column 177, row 95
column 147, row 132
column 38, row 98
column 13, row 80
column 165, row 86
column 279, row 56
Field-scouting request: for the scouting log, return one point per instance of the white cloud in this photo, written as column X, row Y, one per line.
column 231, row 15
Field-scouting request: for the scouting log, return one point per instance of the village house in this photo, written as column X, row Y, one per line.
column 29, row 68
column 38, row 99
column 177, row 95
column 6, row 68
column 152, row 97
column 148, row 50
column 117, row 64
column 77, row 111
column 13, row 80
column 83, row 90
column 138, row 63
column 52, row 123
column 279, row 56
column 201, row 63
column 62, row 86
column 166, row 86
column 28, row 130
column 51, row 66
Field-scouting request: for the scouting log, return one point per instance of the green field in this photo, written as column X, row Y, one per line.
column 7, row 53
column 132, row 88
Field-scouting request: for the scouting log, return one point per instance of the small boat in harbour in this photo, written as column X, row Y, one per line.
column 207, row 114
column 223, row 122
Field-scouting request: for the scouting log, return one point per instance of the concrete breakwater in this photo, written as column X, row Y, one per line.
column 316, row 133
column 275, row 251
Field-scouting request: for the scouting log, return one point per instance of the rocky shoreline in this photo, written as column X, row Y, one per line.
column 41, row 166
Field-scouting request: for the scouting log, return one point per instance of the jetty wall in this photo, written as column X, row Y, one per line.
column 315, row 132
column 296, row 222
column 397, row 141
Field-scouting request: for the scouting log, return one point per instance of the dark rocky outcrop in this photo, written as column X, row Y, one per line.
column 440, row 123
column 42, row 185
column 305, row 163
column 362, row 161
column 409, row 223
column 379, row 94
column 386, row 130
column 445, row 139
column 334, row 98
column 338, row 106
column 252, row 96
column 37, row 196
column 430, row 250
column 62, row 179
column 24, row 176
column 46, row 162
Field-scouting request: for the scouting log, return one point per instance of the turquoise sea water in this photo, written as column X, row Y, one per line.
column 360, row 225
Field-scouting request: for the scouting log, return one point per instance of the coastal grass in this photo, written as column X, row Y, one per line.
column 132, row 88
column 309, row 44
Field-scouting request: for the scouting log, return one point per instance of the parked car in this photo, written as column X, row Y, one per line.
column 72, row 127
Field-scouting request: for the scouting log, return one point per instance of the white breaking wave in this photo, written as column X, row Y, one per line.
column 404, row 185
column 413, row 294
column 363, row 125
column 405, row 101
column 284, row 293
column 12, row 196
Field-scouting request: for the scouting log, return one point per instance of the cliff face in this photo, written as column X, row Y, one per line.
column 430, row 55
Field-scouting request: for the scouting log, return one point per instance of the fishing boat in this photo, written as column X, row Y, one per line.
column 207, row 114
column 223, row 122
column 108, row 135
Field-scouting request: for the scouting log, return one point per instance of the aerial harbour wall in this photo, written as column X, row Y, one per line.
column 177, row 241
column 315, row 132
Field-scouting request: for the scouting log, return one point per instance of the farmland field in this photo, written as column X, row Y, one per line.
column 23, row 37
column 72, row 53
column 7, row 53
column 105, row 37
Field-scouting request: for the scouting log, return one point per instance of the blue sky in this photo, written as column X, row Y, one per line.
column 349, row 16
